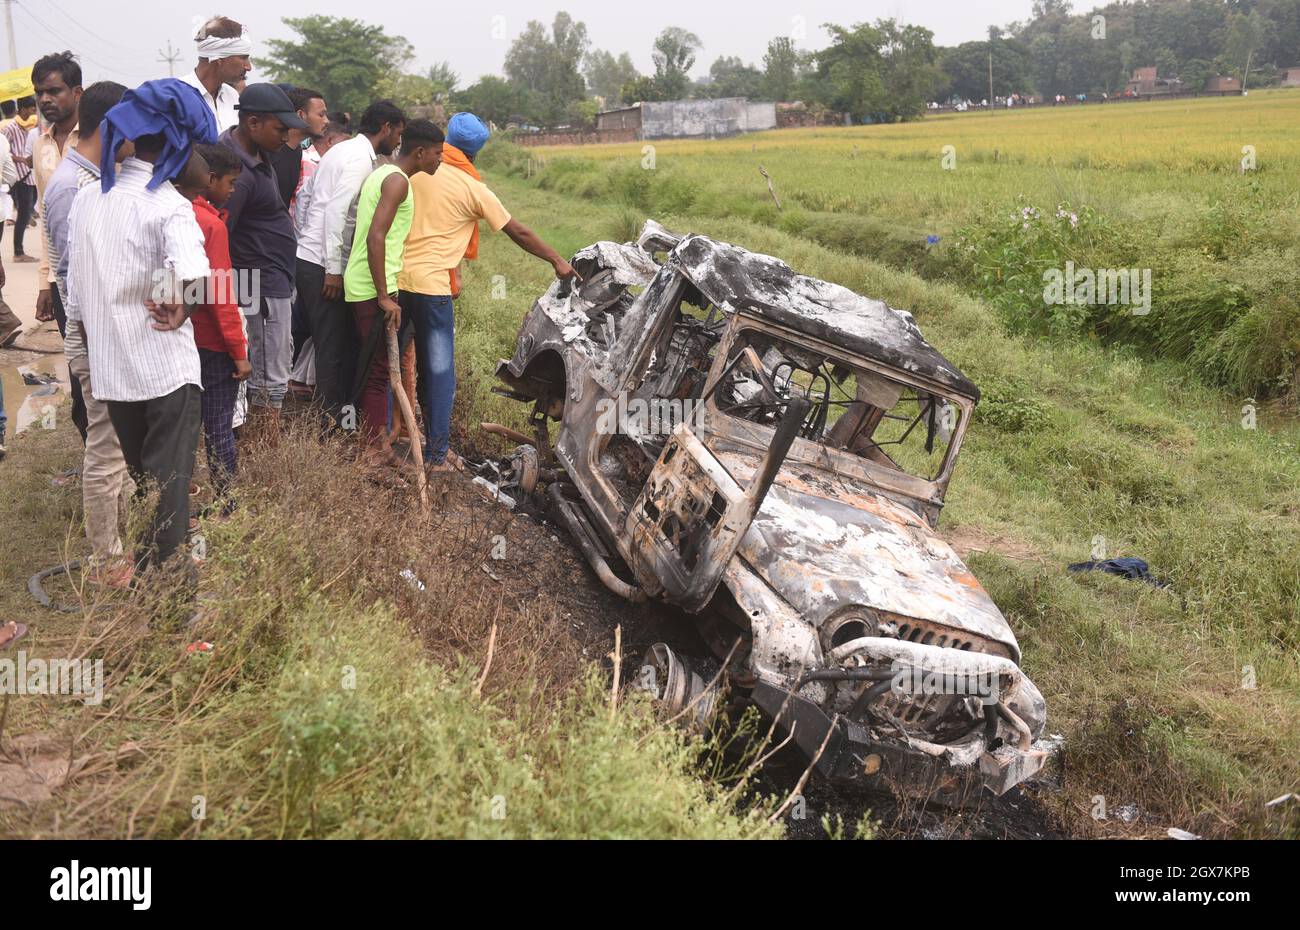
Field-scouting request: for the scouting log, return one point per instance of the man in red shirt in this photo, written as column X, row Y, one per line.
column 218, row 325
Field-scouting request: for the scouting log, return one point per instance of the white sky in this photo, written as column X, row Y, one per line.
column 121, row 39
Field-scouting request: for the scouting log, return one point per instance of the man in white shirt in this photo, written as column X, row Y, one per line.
column 302, row 379
column 224, row 50
column 133, row 250
column 321, row 247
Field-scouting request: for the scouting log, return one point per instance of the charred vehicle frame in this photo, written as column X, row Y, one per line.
column 771, row 452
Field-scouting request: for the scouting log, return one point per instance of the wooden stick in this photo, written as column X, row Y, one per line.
column 770, row 189
column 487, row 664
column 617, row 656
column 395, row 381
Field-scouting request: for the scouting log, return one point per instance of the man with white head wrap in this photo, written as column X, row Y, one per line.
column 224, row 49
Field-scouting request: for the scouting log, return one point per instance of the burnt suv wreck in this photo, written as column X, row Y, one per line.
column 770, row 452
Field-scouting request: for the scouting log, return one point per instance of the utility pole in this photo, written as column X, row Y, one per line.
column 1244, row 77
column 9, row 27
column 171, row 58
column 991, row 75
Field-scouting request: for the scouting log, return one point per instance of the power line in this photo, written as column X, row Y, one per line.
column 108, row 54
column 131, row 52
column 61, row 40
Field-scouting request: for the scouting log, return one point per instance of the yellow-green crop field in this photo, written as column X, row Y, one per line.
column 1106, row 155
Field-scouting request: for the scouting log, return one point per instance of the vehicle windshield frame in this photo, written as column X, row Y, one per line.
column 839, row 461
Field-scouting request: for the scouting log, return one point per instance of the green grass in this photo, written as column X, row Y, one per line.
column 340, row 701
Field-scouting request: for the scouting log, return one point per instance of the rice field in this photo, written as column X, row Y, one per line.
column 1111, row 152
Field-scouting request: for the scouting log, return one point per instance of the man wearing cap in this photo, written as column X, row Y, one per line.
column 262, row 242
column 224, row 50
column 448, row 206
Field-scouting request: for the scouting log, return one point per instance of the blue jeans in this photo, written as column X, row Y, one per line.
column 435, row 365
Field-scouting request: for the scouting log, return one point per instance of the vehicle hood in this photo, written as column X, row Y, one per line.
column 822, row 555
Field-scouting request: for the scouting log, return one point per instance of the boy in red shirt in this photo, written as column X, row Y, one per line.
column 218, row 324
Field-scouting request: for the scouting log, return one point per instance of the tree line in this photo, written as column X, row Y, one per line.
column 883, row 71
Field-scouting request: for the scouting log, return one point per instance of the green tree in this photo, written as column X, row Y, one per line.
column 405, row 90
column 607, row 75
column 731, row 77
column 443, row 80
column 642, row 88
column 549, row 66
column 780, row 68
column 966, row 69
column 582, row 113
column 850, row 71
column 1246, row 34
column 493, row 98
column 1196, row 72
column 345, row 59
column 674, row 56
column 882, row 72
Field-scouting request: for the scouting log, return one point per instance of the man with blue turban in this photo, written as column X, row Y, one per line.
column 136, row 266
column 448, row 207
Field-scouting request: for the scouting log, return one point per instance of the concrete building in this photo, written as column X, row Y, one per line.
column 690, row 119
column 1291, row 77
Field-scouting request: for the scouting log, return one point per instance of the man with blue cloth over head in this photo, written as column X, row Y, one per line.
column 136, row 265
column 444, row 230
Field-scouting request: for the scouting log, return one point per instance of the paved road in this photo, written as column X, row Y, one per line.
column 37, row 350
column 20, row 287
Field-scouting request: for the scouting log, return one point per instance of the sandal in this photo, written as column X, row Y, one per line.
column 11, row 632
column 455, row 461
column 118, row 577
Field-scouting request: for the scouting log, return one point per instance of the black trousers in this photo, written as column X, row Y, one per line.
column 159, row 438
column 24, row 196
column 78, row 402
column 332, row 337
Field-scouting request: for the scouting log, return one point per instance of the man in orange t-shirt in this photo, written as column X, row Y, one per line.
column 444, row 230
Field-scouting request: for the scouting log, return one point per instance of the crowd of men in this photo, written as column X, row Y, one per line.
column 210, row 245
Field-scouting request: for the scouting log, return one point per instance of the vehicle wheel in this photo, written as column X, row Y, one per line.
column 676, row 686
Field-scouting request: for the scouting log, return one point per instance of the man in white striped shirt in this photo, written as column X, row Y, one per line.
column 128, row 247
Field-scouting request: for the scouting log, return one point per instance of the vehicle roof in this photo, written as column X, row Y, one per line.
column 737, row 279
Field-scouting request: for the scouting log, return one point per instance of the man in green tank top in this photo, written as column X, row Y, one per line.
column 385, row 206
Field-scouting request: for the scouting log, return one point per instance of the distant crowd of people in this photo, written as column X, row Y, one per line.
column 1013, row 100
column 209, row 245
